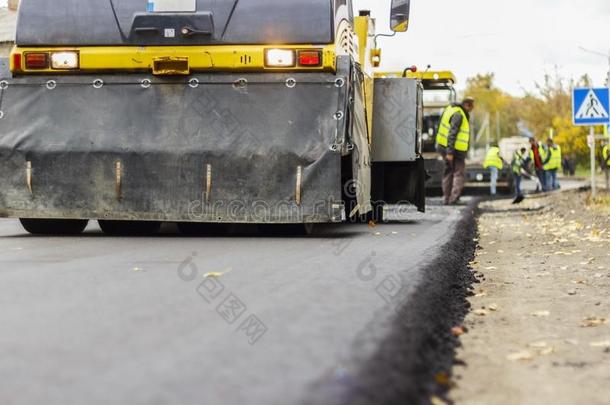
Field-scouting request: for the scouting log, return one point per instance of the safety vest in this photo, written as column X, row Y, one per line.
column 543, row 155
column 517, row 163
column 493, row 159
column 606, row 155
column 554, row 162
column 463, row 137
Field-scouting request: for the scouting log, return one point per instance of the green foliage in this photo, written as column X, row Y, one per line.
column 502, row 108
column 548, row 107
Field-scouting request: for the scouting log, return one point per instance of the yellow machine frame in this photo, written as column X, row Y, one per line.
column 200, row 58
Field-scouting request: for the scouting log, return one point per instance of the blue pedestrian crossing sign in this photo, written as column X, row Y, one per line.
column 591, row 106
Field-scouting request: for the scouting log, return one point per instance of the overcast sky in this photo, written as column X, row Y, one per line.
column 519, row 40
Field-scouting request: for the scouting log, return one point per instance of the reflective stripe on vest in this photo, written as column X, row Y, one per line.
column 493, row 159
column 554, row 162
column 463, row 137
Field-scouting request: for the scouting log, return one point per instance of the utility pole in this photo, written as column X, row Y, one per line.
column 605, row 55
column 498, row 126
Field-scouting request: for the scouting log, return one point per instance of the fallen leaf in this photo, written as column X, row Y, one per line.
column 372, row 224
column 547, row 351
column 605, row 344
column 491, row 268
column 493, row 307
column 434, row 400
column 216, row 274
column 592, row 322
column 442, row 379
column 538, row 345
column 457, row 331
column 540, row 314
column 520, row 356
column 572, row 292
column 480, row 312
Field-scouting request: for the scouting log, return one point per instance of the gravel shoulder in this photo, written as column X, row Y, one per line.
column 538, row 331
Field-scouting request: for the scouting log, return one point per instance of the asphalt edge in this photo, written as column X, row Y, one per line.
column 415, row 361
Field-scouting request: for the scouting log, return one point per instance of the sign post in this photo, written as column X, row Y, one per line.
column 591, row 107
column 592, row 148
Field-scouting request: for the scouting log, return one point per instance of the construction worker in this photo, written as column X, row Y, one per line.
column 606, row 162
column 518, row 167
column 538, row 158
column 494, row 163
column 453, row 142
column 552, row 165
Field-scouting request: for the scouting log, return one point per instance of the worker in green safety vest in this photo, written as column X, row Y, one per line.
column 453, row 142
column 494, row 163
column 519, row 166
column 606, row 161
column 552, row 165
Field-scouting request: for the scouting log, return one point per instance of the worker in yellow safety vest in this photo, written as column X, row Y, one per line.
column 494, row 163
column 552, row 165
column 453, row 142
column 606, row 162
column 539, row 156
column 519, row 168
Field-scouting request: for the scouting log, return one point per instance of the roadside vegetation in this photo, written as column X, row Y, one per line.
column 548, row 107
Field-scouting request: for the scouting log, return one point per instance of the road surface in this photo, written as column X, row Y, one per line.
column 211, row 320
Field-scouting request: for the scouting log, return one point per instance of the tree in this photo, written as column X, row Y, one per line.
column 501, row 108
column 548, row 107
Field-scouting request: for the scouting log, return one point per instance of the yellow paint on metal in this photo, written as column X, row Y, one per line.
column 361, row 28
column 221, row 58
column 443, row 76
column 402, row 27
column 365, row 29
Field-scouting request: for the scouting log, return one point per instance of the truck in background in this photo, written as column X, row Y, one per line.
column 438, row 92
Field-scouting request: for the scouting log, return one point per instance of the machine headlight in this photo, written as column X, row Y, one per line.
column 280, row 58
column 64, row 60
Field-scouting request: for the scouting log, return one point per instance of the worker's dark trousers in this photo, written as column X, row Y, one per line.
column 454, row 178
column 541, row 174
column 517, row 179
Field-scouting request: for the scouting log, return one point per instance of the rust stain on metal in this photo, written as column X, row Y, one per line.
column 208, row 183
column 299, row 181
column 28, row 176
column 119, row 180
